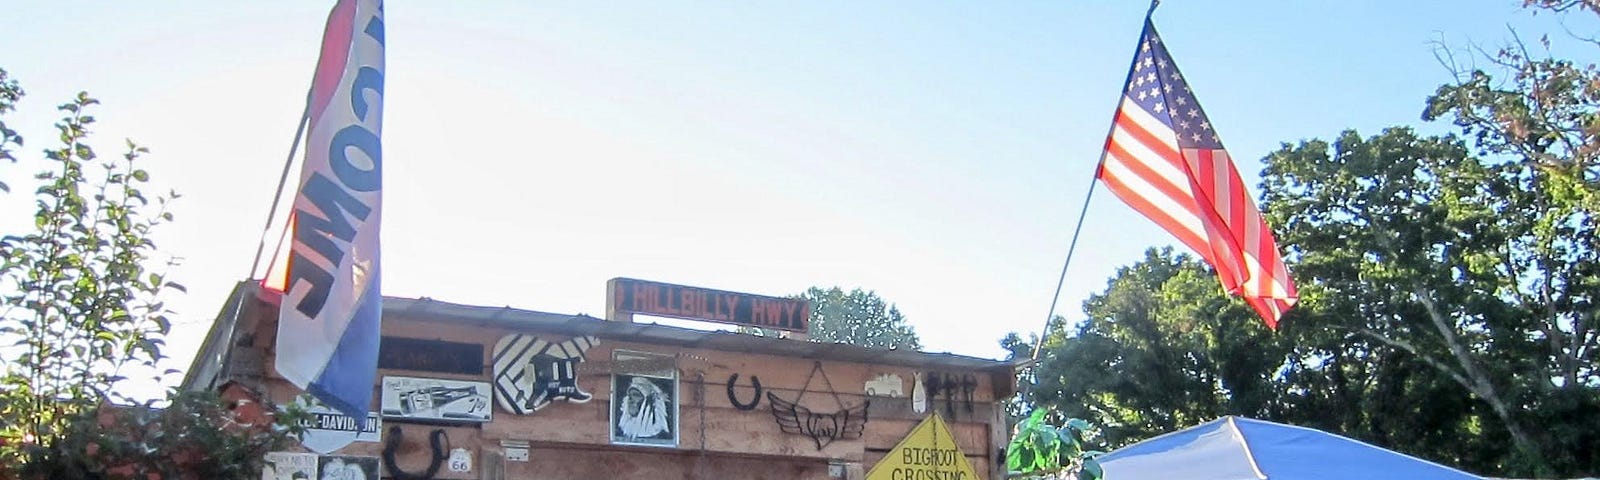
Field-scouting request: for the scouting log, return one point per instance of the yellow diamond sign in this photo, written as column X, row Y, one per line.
column 929, row 452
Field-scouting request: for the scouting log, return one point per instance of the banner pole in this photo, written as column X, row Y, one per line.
column 283, row 179
column 1071, row 246
column 1093, row 181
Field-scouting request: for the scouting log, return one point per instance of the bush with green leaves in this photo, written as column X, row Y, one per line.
column 197, row 435
column 82, row 309
column 1041, row 450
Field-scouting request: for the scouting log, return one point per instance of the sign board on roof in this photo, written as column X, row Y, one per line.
column 626, row 296
column 928, row 452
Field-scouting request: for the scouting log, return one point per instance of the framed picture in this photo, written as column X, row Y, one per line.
column 435, row 399
column 289, row 466
column 347, row 467
column 644, row 402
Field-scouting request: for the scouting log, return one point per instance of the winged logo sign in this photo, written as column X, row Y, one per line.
column 823, row 428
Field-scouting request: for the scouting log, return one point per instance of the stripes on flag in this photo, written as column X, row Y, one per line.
column 331, row 305
column 1165, row 161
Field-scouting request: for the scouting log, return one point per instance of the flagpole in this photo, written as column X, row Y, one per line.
column 238, row 306
column 1072, row 245
column 283, row 179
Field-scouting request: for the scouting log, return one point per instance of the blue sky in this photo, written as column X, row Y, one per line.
column 936, row 152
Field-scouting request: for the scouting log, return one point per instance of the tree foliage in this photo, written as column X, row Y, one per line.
column 1448, row 290
column 1456, row 263
column 197, row 435
column 1420, row 326
column 10, row 92
column 1564, row 5
column 1161, row 349
column 858, row 317
column 80, row 307
column 1041, row 450
column 80, row 303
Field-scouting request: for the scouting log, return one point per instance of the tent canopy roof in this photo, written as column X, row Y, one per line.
column 1238, row 448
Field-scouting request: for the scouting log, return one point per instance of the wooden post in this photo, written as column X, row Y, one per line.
column 612, row 313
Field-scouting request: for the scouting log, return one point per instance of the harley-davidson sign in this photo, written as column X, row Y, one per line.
column 629, row 296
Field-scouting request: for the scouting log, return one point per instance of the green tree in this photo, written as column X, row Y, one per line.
column 1536, row 117
column 1162, row 349
column 1564, row 5
column 10, row 92
column 79, row 302
column 1418, row 252
column 858, row 317
column 80, row 306
column 1448, row 287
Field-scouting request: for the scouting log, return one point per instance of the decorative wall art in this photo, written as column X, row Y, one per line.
column 347, row 467
column 530, row 373
column 328, row 430
column 733, row 397
column 952, row 387
column 289, row 466
column 969, row 385
column 919, row 394
column 435, row 399
column 438, row 441
column 886, row 385
column 310, row 466
column 823, row 428
column 644, row 404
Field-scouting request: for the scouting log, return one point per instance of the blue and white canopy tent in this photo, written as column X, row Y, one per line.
column 1238, row 448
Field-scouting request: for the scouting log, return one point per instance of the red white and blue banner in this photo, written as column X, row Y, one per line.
column 1164, row 159
column 328, row 324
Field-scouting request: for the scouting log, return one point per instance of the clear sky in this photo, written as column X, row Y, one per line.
column 936, row 152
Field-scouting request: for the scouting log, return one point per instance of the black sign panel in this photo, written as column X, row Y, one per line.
column 403, row 353
column 695, row 303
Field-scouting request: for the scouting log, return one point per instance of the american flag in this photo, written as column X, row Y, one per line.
column 1163, row 158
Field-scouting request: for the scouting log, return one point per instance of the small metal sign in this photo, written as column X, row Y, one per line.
column 460, row 460
column 328, row 429
column 435, row 399
column 516, row 450
column 289, row 466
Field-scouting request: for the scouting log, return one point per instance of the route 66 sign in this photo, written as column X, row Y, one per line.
column 460, row 461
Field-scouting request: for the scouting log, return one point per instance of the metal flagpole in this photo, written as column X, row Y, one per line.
column 277, row 196
column 299, row 132
column 1093, row 181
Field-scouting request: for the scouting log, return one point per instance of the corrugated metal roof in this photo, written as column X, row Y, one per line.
column 513, row 318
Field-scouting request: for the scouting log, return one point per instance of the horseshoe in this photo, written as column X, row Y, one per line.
column 734, row 399
column 436, row 438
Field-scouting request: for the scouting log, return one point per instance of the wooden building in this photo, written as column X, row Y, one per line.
column 521, row 394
